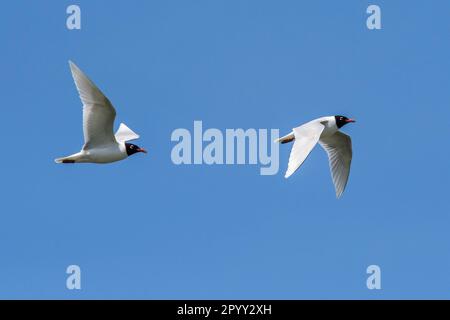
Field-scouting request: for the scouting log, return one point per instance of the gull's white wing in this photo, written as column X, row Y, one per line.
column 339, row 149
column 306, row 137
column 98, row 112
column 125, row 134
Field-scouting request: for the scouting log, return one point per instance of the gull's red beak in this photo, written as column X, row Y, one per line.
column 142, row 150
column 350, row 120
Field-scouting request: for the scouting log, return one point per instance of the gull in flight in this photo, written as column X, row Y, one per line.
column 338, row 146
column 101, row 145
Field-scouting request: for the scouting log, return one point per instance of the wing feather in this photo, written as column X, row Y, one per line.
column 98, row 112
column 125, row 134
column 306, row 137
column 339, row 150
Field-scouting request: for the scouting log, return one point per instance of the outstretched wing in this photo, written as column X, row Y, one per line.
column 98, row 112
column 125, row 134
column 339, row 149
column 306, row 137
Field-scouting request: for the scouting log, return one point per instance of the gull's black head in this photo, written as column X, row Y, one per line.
column 342, row 121
column 132, row 149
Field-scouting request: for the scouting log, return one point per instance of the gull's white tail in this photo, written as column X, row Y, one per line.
column 287, row 138
column 70, row 159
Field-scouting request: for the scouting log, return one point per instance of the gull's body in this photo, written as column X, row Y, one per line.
column 111, row 153
column 101, row 145
column 338, row 146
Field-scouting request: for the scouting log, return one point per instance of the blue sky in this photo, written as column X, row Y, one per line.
column 145, row 228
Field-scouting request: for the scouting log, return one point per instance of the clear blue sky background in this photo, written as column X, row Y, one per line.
column 145, row 228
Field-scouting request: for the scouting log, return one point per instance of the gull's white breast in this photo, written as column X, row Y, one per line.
column 107, row 154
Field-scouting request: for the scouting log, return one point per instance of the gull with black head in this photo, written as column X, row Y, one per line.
column 338, row 146
column 101, row 145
